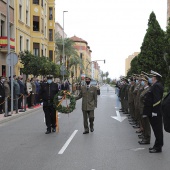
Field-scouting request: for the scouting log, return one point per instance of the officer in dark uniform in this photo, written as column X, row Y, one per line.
column 152, row 108
column 47, row 92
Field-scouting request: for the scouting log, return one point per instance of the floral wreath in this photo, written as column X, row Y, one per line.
column 65, row 95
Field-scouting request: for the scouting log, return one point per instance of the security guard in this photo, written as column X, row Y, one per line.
column 152, row 108
column 47, row 92
column 89, row 103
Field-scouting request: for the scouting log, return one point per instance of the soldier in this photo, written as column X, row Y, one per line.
column 145, row 121
column 46, row 94
column 89, row 103
column 130, row 98
column 152, row 108
column 125, row 96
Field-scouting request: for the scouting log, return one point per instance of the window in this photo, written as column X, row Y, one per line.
column 20, row 12
column 36, row 49
column 81, row 55
column 20, row 42
column 35, row 23
column 36, row 2
column 45, row 31
column 50, row 35
column 42, row 3
column 42, row 25
column 45, row 9
column 27, row 44
column 42, row 49
column 50, row 55
column 27, row 17
column 2, row 28
column 50, row 13
column 45, row 52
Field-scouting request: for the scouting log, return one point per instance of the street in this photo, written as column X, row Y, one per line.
column 112, row 146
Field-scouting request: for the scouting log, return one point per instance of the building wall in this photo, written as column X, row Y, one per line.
column 168, row 10
column 35, row 37
column 59, row 30
column 3, row 34
column 128, row 61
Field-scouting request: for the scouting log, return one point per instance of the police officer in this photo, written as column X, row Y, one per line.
column 89, row 103
column 47, row 92
column 152, row 108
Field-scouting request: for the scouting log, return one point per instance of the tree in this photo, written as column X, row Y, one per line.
column 107, row 74
column 151, row 56
column 167, row 56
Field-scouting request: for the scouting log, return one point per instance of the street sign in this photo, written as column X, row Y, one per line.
column 62, row 68
column 12, row 59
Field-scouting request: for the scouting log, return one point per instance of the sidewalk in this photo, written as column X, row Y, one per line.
column 19, row 114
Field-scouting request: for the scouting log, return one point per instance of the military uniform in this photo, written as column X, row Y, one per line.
column 46, row 94
column 131, row 100
column 89, row 103
column 153, row 111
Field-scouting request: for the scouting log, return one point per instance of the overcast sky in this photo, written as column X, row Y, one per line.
column 114, row 29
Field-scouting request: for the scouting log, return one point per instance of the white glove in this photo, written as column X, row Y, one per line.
column 154, row 114
column 144, row 116
column 0, row 96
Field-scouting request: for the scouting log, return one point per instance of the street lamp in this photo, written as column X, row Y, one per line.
column 63, row 45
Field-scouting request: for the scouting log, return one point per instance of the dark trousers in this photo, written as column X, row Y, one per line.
column 88, row 114
column 156, row 124
column 1, row 105
column 50, row 117
column 29, row 100
column 20, row 102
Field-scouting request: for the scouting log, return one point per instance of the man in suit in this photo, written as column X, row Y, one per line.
column 89, row 103
column 152, row 109
column 46, row 94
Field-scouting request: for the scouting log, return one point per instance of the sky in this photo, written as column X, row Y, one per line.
column 114, row 29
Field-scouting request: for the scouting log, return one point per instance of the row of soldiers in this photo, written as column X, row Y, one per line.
column 140, row 97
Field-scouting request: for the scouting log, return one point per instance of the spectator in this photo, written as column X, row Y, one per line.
column 29, row 91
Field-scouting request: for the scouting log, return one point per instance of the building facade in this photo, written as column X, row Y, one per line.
column 59, row 30
column 128, row 61
column 3, row 34
column 84, row 52
column 32, row 28
column 35, row 28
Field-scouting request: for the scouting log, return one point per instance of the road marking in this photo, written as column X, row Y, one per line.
column 67, row 142
column 137, row 149
column 118, row 117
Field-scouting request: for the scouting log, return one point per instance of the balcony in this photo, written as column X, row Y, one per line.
column 4, row 43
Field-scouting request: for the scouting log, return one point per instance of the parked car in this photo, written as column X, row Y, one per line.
column 95, row 83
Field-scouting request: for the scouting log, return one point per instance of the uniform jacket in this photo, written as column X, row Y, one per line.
column 141, row 88
column 152, row 100
column 89, row 98
column 47, row 93
column 2, row 91
column 166, row 112
column 130, row 94
column 33, row 87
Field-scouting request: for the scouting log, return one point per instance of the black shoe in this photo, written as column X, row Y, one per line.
column 47, row 132
column 85, row 132
column 92, row 129
column 155, row 150
column 151, row 148
column 143, row 142
column 53, row 129
column 136, row 127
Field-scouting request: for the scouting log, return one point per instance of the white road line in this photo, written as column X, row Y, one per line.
column 67, row 143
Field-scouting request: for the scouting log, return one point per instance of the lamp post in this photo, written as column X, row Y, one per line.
column 63, row 44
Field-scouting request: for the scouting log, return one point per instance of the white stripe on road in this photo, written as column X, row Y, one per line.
column 67, row 142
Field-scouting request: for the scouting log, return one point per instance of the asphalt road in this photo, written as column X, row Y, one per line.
column 112, row 146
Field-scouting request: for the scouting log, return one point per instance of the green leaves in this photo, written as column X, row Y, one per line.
column 36, row 65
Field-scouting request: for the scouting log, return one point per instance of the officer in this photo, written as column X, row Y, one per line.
column 46, row 94
column 152, row 108
column 89, row 103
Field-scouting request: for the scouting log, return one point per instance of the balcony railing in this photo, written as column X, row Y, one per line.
column 4, row 42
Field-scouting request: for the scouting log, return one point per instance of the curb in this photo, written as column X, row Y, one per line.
column 20, row 114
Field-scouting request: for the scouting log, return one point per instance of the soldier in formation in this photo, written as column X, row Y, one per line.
column 140, row 98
